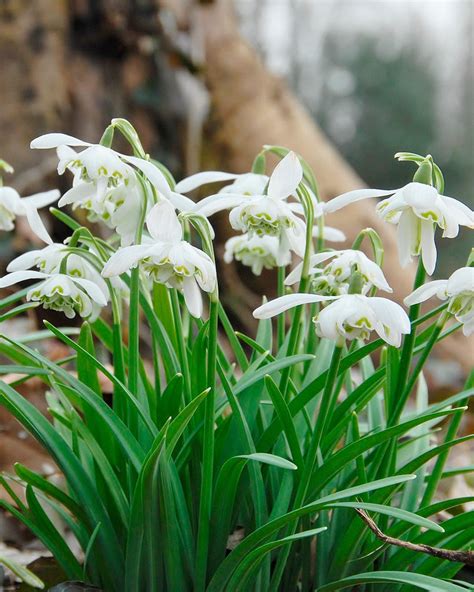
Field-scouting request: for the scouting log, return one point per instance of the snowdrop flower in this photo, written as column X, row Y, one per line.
column 266, row 215
column 350, row 316
column 12, row 205
column 169, row 260
column 333, row 235
column 417, row 209
column 335, row 277
column 245, row 184
column 257, row 252
column 459, row 289
column 61, row 292
column 49, row 259
column 105, row 182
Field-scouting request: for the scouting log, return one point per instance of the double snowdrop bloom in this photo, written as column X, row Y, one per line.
column 12, row 205
column 261, row 214
column 169, row 259
column 335, row 277
column 105, row 182
column 459, row 289
column 351, row 316
column 61, row 292
column 48, row 260
column 257, row 252
column 417, row 209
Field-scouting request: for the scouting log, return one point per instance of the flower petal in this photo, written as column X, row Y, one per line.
column 286, row 177
column 124, row 259
column 45, row 198
column 195, row 181
column 353, row 196
column 393, row 319
column 407, row 237
column 91, row 290
column 36, row 224
column 192, row 297
column 333, row 235
column 24, row 261
column 181, row 202
column 78, row 193
column 279, row 305
column 218, row 202
column 462, row 280
column 152, row 172
column 428, row 246
column 56, row 139
column 163, row 224
column 424, row 292
column 20, row 276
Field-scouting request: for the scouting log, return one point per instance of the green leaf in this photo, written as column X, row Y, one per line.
column 394, row 577
column 23, row 573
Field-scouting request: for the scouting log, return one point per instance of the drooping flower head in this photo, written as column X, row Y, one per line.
column 168, row 259
column 257, row 252
column 12, row 205
column 417, row 209
column 458, row 288
column 334, row 278
column 350, row 316
column 61, row 292
column 105, row 182
column 259, row 214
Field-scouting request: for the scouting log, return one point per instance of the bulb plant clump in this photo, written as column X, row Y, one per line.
column 305, row 457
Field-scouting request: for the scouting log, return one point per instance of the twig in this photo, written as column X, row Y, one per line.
column 466, row 557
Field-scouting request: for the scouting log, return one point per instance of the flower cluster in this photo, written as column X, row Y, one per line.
column 151, row 217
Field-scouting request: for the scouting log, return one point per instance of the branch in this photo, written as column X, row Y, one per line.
column 466, row 557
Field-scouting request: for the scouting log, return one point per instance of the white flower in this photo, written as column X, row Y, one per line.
column 265, row 215
column 350, row 316
column 61, row 292
column 335, row 277
column 245, row 184
column 105, row 182
column 169, row 260
column 417, row 209
column 257, row 252
column 49, row 259
column 459, row 289
column 12, row 205
column 333, row 235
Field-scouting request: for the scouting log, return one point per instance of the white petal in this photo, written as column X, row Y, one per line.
column 218, row 202
column 152, row 172
column 407, row 237
column 192, row 297
column 428, row 246
column 36, row 224
column 181, row 202
column 286, row 177
column 391, row 316
column 279, row 305
column 462, row 280
column 195, row 181
column 353, row 196
column 333, row 235
column 463, row 212
column 424, row 292
column 92, row 290
column 78, row 193
column 24, row 261
column 56, row 139
column 124, row 259
column 294, row 275
column 40, row 200
column 20, row 276
column 163, row 224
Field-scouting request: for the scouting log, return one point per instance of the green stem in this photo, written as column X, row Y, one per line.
column 409, row 341
column 400, row 403
column 281, row 318
column 208, row 453
column 308, row 206
column 178, row 327
column 311, row 457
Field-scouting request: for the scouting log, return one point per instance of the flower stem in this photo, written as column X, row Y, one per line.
column 281, row 318
column 208, row 453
